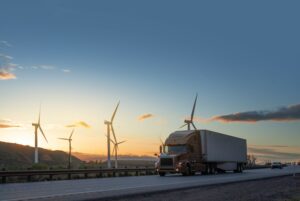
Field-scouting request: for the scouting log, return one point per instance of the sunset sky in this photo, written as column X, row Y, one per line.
column 79, row 58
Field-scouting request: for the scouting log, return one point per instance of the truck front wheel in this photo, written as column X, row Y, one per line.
column 187, row 171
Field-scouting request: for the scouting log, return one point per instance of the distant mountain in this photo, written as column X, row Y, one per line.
column 16, row 156
column 98, row 157
column 129, row 161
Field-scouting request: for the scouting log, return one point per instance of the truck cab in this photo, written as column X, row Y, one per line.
column 181, row 154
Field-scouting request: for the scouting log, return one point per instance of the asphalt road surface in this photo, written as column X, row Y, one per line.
column 90, row 189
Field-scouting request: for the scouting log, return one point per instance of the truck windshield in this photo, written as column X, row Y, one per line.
column 177, row 149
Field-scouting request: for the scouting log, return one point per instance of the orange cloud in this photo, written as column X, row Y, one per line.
column 79, row 124
column 4, row 75
column 7, row 124
column 145, row 116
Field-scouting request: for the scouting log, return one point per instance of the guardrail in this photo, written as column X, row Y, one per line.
column 48, row 175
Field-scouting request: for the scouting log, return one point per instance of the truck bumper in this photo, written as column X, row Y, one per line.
column 168, row 170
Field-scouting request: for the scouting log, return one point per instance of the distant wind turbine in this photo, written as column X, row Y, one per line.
column 115, row 151
column 188, row 122
column 37, row 126
column 70, row 147
column 109, row 125
column 163, row 146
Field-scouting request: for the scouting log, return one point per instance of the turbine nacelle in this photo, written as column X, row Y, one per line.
column 187, row 121
column 107, row 122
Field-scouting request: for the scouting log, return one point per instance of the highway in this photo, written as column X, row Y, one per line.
column 89, row 189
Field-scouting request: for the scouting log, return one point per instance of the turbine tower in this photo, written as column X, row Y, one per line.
column 70, row 147
column 37, row 126
column 188, row 122
column 109, row 125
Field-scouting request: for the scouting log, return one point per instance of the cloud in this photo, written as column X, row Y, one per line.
column 4, row 123
column 66, row 70
column 4, row 75
column 6, row 67
column 50, row 67
column 277, row 152
column 43, row 67
column 145, row 116
column 79, row 124
column 284, row 114
column 5, row 43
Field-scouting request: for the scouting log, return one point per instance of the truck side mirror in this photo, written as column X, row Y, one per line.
column 160, row 149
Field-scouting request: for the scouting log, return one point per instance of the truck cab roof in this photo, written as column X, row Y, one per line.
column 180, row 137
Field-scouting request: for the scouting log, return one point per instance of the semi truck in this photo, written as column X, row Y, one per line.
column 204, row 151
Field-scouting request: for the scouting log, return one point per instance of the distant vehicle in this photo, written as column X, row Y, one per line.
column 276, row 165
column 204, row 151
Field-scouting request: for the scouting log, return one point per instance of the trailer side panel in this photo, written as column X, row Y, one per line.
column 217, row 147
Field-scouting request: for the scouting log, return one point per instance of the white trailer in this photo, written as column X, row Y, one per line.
column 227, row 152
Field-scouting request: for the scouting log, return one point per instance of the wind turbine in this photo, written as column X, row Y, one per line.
column 109, row 125
column 163, row 145
column 115, row 151
column 70, row 147
column 37, row 126
column 188, row 122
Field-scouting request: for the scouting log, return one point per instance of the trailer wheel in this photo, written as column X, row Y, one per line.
column 239, row 168
column 162, row 174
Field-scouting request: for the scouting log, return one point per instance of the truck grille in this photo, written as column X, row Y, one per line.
column 166, row 162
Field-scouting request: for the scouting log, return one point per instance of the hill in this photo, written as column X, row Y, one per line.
column 15, row 156
column 98, row 157
column 130, row 161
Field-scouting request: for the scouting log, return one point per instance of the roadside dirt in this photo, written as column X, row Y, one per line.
column 275, row 189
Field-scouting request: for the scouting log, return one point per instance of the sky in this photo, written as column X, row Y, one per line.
column 79, row 58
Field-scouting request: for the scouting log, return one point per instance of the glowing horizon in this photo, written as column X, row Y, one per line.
column 79, row 59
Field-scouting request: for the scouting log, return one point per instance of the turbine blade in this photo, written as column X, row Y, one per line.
column 121, row 142
column 114, row 114
column 113, row 150
column 62, row 138
column 183, row 125
column 39, row 120
column 113, row 132
column 194, row 126
column 193, row 111
column 111, row 140
column 161, row 141
column 43, row 133
column 71, row 134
